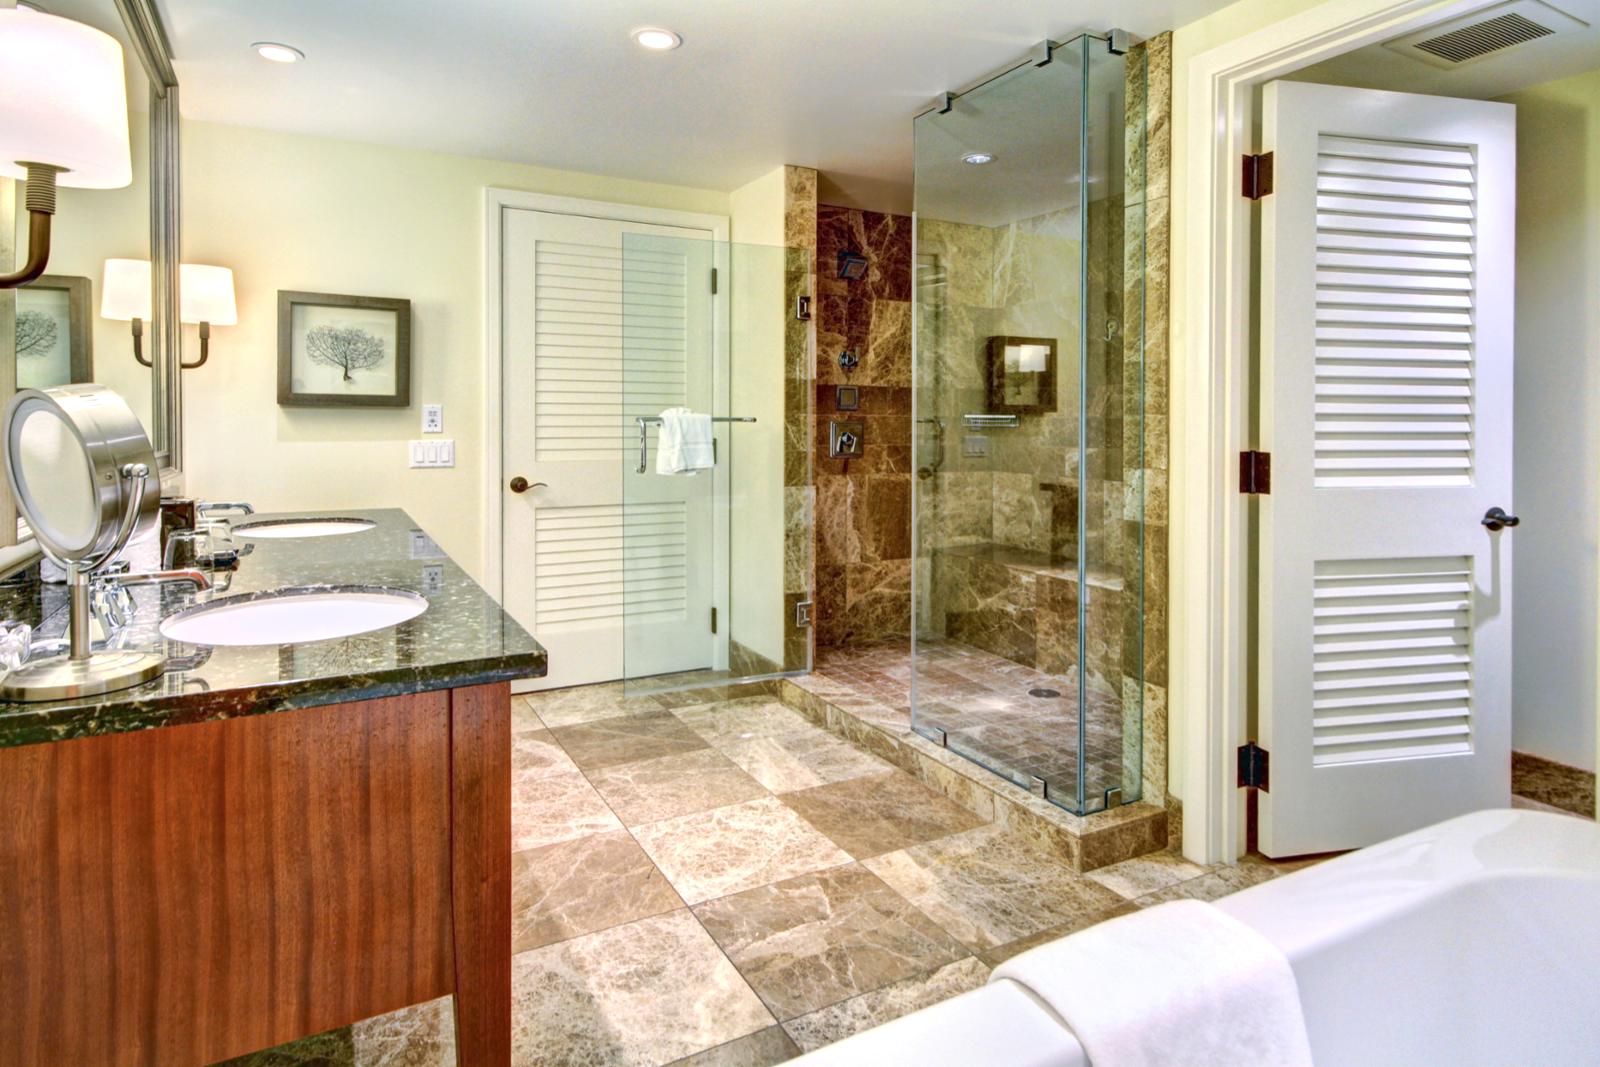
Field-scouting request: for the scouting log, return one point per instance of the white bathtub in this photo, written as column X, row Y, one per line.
column 1472, row 943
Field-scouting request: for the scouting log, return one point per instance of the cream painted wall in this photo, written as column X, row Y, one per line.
column 293, row 212
column 756, row 388
column 1557, row 422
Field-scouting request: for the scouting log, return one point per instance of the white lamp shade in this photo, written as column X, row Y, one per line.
column 125, row 292
column 205, row 294
column 63, row 101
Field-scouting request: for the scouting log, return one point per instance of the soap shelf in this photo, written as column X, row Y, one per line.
column 991, row 422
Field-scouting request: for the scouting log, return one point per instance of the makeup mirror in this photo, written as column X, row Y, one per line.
column 82, row 473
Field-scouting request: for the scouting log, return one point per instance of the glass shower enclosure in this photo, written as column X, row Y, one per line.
column 1029, row 396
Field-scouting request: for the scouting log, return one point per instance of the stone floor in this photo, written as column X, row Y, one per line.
column 725, row 883
column 983, row 702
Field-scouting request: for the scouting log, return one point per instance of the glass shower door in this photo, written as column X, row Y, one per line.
column 716, row 556
column 1027, row 603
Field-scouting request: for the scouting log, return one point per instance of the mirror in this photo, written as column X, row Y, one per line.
column 63, row 331
column 82, row 473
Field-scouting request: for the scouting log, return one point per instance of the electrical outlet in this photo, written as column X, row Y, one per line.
column 433, row 453
column 432, row 578
column 433, row 418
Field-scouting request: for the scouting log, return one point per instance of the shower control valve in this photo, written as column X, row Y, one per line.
column 848, row 360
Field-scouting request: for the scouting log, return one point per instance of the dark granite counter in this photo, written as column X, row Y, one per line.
column 462, row 639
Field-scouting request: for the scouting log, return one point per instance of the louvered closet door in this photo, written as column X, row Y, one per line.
column 1385, row 605
column 581, row 563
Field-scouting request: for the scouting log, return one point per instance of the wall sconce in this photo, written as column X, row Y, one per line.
column 63, row 118
column 205, row 297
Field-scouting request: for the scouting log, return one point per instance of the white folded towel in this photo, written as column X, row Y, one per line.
column 1181, row 984
column 684, row 445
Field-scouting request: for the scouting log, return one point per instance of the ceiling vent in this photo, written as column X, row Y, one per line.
column 1485, row 33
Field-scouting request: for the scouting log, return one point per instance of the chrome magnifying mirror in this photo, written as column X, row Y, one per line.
column 82, row 473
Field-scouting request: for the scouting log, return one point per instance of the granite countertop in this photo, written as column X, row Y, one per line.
column 462, row 639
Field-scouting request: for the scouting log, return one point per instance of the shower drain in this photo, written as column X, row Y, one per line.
column 1044, row 694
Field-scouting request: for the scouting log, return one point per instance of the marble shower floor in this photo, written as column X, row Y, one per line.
column 725, row 883
column 982, row 701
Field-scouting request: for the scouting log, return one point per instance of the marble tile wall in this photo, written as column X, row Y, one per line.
column 863, row 506
column 799, row 491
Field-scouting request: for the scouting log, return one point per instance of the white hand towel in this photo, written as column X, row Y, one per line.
column 1181, row 984
column 684, row 445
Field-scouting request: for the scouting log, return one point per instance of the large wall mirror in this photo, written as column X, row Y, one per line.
column 66, row 326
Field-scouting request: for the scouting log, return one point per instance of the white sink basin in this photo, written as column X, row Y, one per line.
column 272, row 528
column 293, row 616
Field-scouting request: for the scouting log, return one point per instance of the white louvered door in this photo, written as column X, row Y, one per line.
column 594, row 335
column 1386, row 357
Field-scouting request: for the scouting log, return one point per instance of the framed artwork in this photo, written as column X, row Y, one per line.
column 343, row 351
column 1022, row 375
column 55, row 332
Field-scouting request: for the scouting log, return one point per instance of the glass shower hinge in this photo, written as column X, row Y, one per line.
column 802, row 615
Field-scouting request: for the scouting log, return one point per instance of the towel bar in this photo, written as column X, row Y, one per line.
column 647, row 421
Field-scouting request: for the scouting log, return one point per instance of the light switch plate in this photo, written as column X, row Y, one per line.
column 974, row 445
column 433, row 453
column 424, row 547
column 433, row 418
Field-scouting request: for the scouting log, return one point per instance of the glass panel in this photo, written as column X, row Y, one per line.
column 1022, row 392
column 695, row 516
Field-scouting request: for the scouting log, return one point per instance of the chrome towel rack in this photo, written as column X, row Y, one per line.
column 647, row 421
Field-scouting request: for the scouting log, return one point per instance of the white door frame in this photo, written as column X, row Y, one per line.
column 495, row 203
column 1211, row 332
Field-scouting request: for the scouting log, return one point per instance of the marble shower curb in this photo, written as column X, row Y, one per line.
column 1086, row 842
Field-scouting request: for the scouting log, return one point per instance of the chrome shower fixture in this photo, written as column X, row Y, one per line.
column 852, row 265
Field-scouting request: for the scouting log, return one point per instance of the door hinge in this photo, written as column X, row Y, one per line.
column 1255, row 472
column 1257, row 176
column 802, row 615
column 713, row 620
column 1253, row 767
column 713, row 281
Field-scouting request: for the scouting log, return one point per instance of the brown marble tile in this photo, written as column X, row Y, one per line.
column 585, row 703
column 535, row 754
column 725, row 850
column 726, row 724
column 801, row 760
column 994, row 957
column 838, row 1021
column 669, row 786
column 606, row 742
column 646, row 992
column 882, row 813
column 579, row 886
column 1146, row 874
column 760, row 1049
column 1552, row 783
column 423, row 1035
column 811, row 941
column 556, row 807
column 989, row 886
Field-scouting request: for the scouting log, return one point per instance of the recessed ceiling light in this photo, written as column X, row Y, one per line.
column 657, row 40
column 278, row 53
column 977, row 159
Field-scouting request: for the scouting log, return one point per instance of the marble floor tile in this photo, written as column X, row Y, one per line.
column 802, row 759
column 989, row 886
column 1219, row 882
column 839, row 1021
column 576, row 887
column 808, row 942
column 742, row 720
column 713, row 853
column 585, row 703
column 881, row 813
column 1146, row 874
column 557, row 807
column 994, row 957
column 626, row 739
column 637, row 995
column 523, row 717
column 535, row 754
column 760, row 1049
column 423, row 1035
column 669, row 786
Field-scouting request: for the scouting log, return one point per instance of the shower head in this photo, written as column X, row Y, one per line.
column 852, row 265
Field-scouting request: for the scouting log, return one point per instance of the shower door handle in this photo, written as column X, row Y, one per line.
column 1497, row 519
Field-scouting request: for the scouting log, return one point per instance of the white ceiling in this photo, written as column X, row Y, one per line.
column 1546, row 59
column 831, row 84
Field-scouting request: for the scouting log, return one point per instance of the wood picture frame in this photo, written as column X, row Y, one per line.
column 44, row 307
column 336, row 350
column 1015, row 390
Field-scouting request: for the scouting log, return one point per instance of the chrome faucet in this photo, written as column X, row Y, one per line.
column 112, row 603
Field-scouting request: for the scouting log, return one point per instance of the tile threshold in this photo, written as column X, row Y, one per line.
column 1086, row 842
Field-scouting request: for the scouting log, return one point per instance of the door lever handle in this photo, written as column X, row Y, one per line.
column 1497, row 519
column 519, row 484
